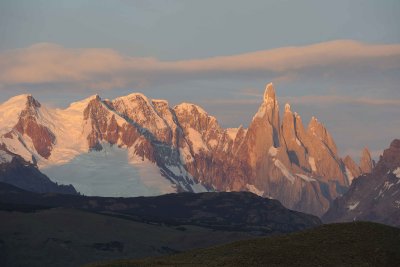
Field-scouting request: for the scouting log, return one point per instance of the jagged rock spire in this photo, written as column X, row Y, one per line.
column 352, row 169
column 269, row 94
column 366, row 161
column 287, row 108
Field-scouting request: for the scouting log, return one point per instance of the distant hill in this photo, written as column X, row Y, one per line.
column 233, row 211
column 344, row 244
column 52, row 229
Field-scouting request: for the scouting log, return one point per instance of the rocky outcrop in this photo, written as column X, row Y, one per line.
column 16, row 171
column 374, row 196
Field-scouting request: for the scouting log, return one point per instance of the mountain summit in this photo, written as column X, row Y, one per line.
column 133, row 145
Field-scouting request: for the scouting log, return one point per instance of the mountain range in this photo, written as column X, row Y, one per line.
column 135, row 146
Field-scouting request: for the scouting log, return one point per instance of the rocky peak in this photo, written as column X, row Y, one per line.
column 32, row 102
column 194, row 116
column 269, row 93
column 160, row 103
column 202, row 130
column 137, row 108
column 352, row 169
column 93, row 107
column 395, row 144
column 31, row 122
column 317, row 129
column 366, row 161
column 391, row 156
column 267, row 116
column 23, row 101
column 314, row 126
column 99, row 120
column 287, row 108
column 27, row 103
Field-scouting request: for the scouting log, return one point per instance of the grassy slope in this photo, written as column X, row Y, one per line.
column 345, row 244
column 68, row 237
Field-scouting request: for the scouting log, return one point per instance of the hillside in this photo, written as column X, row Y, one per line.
column 69, row 230
column 69, row 237
column 239, row 211
column 345, row 244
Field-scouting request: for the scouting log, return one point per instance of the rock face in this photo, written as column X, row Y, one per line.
column 374, row 196
column 282, row 160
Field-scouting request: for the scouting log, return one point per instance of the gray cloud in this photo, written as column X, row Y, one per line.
column 106, row 68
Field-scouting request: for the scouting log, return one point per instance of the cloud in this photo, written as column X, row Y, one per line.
column 106, row 68
column 250, row 96
column 312, row 100
column 337, row 99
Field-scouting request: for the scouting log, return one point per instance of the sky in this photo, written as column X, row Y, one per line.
column 336, row 60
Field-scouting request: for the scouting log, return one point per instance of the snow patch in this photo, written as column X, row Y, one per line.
column 174, row 169
column 397, row 172
column 349, row 175
column 197, row 141
column 189, row 107
column 353, row 206
column 311, row 161
column 254, row 190
column 284, row 170
column 198, row 187
column 298, row 142
column 185, row 155
column 16, row 147
column 160, row 101
column 386, row 187
column 5, row 157
column 273, row 151
column 305, row 177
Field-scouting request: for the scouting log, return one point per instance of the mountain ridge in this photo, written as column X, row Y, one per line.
column 373, row 196
column 278, row 159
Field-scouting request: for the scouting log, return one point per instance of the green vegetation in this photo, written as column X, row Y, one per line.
column 344, row 244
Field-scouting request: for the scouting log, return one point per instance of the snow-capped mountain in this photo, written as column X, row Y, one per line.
column 133, row 145
column 374, row 196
